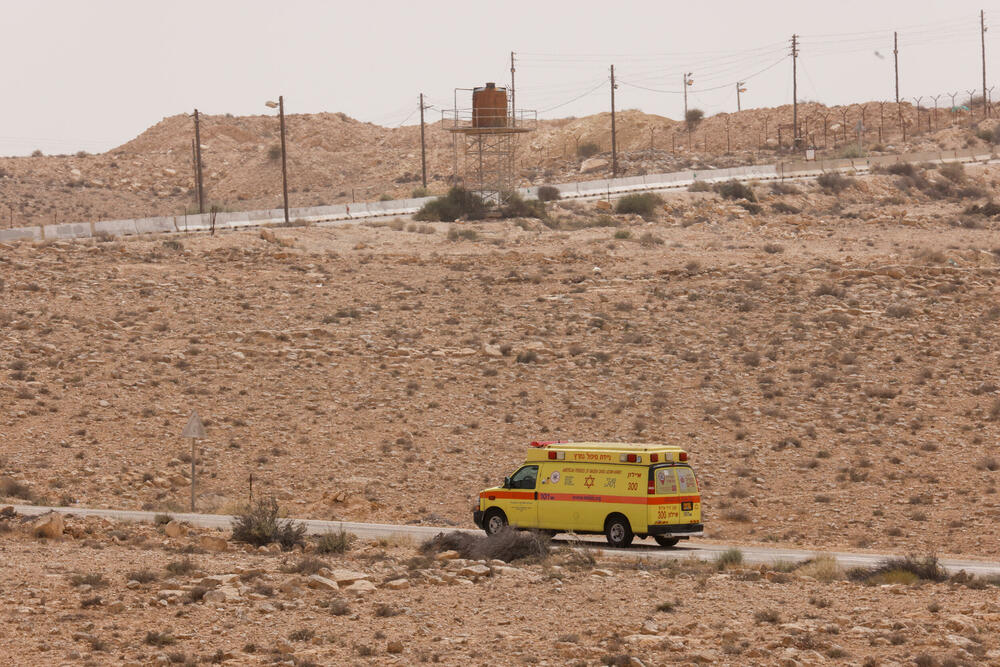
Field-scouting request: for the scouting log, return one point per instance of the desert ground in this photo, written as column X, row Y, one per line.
column 130, row 594
column 828, row 356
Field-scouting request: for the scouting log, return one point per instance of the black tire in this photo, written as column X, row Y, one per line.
column 494, row 521
column 665, row 541
column 618, row 531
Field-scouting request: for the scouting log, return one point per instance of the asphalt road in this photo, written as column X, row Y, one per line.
column 640, row 549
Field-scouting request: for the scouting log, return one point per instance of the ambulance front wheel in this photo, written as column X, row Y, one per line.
column 618, row 531
column 494, row 521
column 665, row 541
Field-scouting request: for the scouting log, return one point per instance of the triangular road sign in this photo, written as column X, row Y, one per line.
column 194, row 428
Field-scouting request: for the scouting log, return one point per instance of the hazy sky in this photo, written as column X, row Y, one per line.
column 92, row 75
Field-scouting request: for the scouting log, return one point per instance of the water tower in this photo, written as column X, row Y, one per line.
column 484, row 141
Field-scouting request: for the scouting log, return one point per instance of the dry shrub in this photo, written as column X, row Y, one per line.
column 507, row 545
column 823, row 568
column 834, row 182
column 12, row 488
column 259, row 525
column 335, row 542
column 901, row 570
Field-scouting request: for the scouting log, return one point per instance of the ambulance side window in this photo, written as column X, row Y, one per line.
column 666, row 481
column 524, row 478
column 687, row 481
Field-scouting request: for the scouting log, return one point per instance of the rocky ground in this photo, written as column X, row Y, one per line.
column 830, row 361
column 90, row 591
column 333, row 158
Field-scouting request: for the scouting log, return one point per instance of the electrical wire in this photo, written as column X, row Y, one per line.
column 578, row 97
column 706, row 90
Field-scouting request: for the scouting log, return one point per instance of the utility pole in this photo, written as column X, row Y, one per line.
column 739, row 89
column 513, row 105
column 197, row 157
column 194, row 166
column 895, row 59
column 687, row 82
column 423, row 146
column 614, row 137
column 284, row 156
column 795, row 92
column 982, row 39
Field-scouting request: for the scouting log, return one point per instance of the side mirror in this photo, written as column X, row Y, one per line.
column 506, row 482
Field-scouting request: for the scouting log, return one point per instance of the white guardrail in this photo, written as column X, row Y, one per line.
column 348, row 213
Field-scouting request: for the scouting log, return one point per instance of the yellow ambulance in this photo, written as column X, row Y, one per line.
column 619, row 489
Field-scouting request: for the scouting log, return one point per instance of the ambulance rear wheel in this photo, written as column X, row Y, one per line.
column 494, row 521
column 665, row 541
column 618, row 531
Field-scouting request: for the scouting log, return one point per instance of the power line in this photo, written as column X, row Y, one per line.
column 600, row 85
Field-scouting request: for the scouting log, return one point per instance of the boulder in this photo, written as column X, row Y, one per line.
column 346, row 577
column 398, row 584
column 213, row 543
column 174, row 529
column 475, row 571
column 593, row 164
column 360, row 587
column 50, row 525
column 322, row 583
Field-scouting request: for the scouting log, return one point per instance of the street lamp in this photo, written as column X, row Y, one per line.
column 280, row 105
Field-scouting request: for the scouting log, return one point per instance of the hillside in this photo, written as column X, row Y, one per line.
column 333, row 158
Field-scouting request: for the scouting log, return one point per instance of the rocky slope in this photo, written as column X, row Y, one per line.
column 830, row 361
column 333, row 158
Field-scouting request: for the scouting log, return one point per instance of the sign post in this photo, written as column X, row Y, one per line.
column 194, row 430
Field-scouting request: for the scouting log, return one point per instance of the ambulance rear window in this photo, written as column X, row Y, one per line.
column 687, row 482
column 666, row 481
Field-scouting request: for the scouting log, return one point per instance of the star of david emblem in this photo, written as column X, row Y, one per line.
column 589, row 482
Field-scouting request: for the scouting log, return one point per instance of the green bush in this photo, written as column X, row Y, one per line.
column 548, row 193
column 693, row 117
column 259, row 525
column 700, row 186
column 516, row 207
column 587, row 150
column 644, row 204
column 274, row 152
column 733, row 189
column 458, row 203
